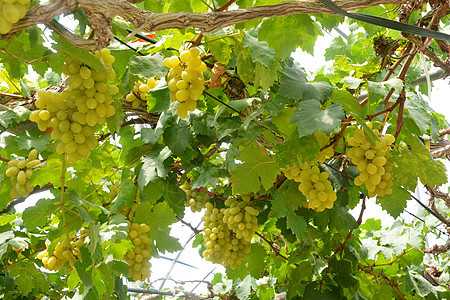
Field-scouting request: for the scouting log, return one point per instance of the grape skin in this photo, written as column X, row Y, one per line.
column 20, row 172
column 11, row 12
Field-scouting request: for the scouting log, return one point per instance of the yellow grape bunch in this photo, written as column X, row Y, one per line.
column 20, row 171
column 372, row 161
column 73, row 114
column 185, row 79
column 138, row 95
column 314, row 184
column 11, row 11
column 65, row 251
column 222, row 245
column 194, row 199
column 241, row 217
column 139, row 257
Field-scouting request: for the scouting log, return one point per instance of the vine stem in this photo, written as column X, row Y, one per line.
column 4, row 159
column 15, row 96
column 221, row 102
column 195, row 230
column 271, row 246
column 211, row 194
column 63, row 179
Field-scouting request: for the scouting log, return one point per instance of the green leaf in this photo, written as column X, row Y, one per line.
column 83, row 56
column 38, row 215
column 154, row 165
column 115, row 122
column 148, row 66
column 294, row 85
column 310, row 117
column 341, row 219
column 25, row 89
column 286, row 34
column 177, row 137
column 418, row 112
column 416, row 163
column 348, row 102
column 379, row 90
column 296, row 150
column 127, row 193
column 394, row 203
column 180, row 5
column 176, row 198
column 244, row 64
column 281, row 207
column 264, row 76
column 27, row 277
column 259, row 50
column 158, row 217
column 10, row 117
column 258, row 168
column 29, row 139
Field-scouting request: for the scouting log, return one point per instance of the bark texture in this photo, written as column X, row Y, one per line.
column 210, row 22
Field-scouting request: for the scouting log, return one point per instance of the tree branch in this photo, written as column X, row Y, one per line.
column 208, row 22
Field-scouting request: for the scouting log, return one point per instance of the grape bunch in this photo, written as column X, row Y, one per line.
column 139, row 92
column 20, row 171
column 316, row 187
column 240, row 217
column 139, row 257
column 113, row 190
column 372, row 161
column 222, row 245
column 11, row 11
column 67, row 250
column 185, row 79
column 74, row 113
column 194, row 199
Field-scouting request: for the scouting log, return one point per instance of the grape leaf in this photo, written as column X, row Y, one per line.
column 416, row 163
column 394, row 203
column 264, row 76
column 115, row 122
column 379, row 90
column 244, row 63
column 158, row 217
column 294, row 85
column 258, row 168
column 281, row 207
column 154, row 165
column 418, row 112
column 175, row 197
column 177, row 137
column 29, row 139
column 27, row 277
column 148, row 66
column 259, row 50
column 296, row 150
column 37, row 215
column 285, row 34
column 310, row 117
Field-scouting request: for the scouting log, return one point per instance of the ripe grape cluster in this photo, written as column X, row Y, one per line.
column 372, row 161
column 194, row 199
column 20, row 172
column 11, row 11
column 67, row 250
column 314, row 184
column 139, row 257
column 185, row 79
column 228, row 231
column 138, row 95
column 74, row 113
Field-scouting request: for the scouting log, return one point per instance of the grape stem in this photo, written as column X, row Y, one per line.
column 221, row 102
column 215, row 196
column 195, row 230
column 63, row 208
column 400, row 122
column 4, row 159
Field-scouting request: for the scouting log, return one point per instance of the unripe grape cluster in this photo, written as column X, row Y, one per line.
column 372, row 161
column 20, row 171
column 11, row 11
column 74, row 113
column 138, row 95
column 185, row 79
column 229, row 231
column 139, row 257
column 65, row 251
column 314, row 184
column 194, row 199
column 113, row 190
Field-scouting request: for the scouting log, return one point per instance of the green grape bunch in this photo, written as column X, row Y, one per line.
column 194, row 199
column 139, row 257
column 65, row 251
column 222, row 245
column 11, row 11
column 372, row 161
column 72, row 115
column 20, row 172
column 185, row 79
column 138, row 95
column 240, row 217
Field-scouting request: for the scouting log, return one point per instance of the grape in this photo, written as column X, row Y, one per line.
column 185, row 79
column 138, row 258
column 86, row 102
column 139, row 92
column 194, row 199
column 67, row 251
column 20, row 172
column 372, row 161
